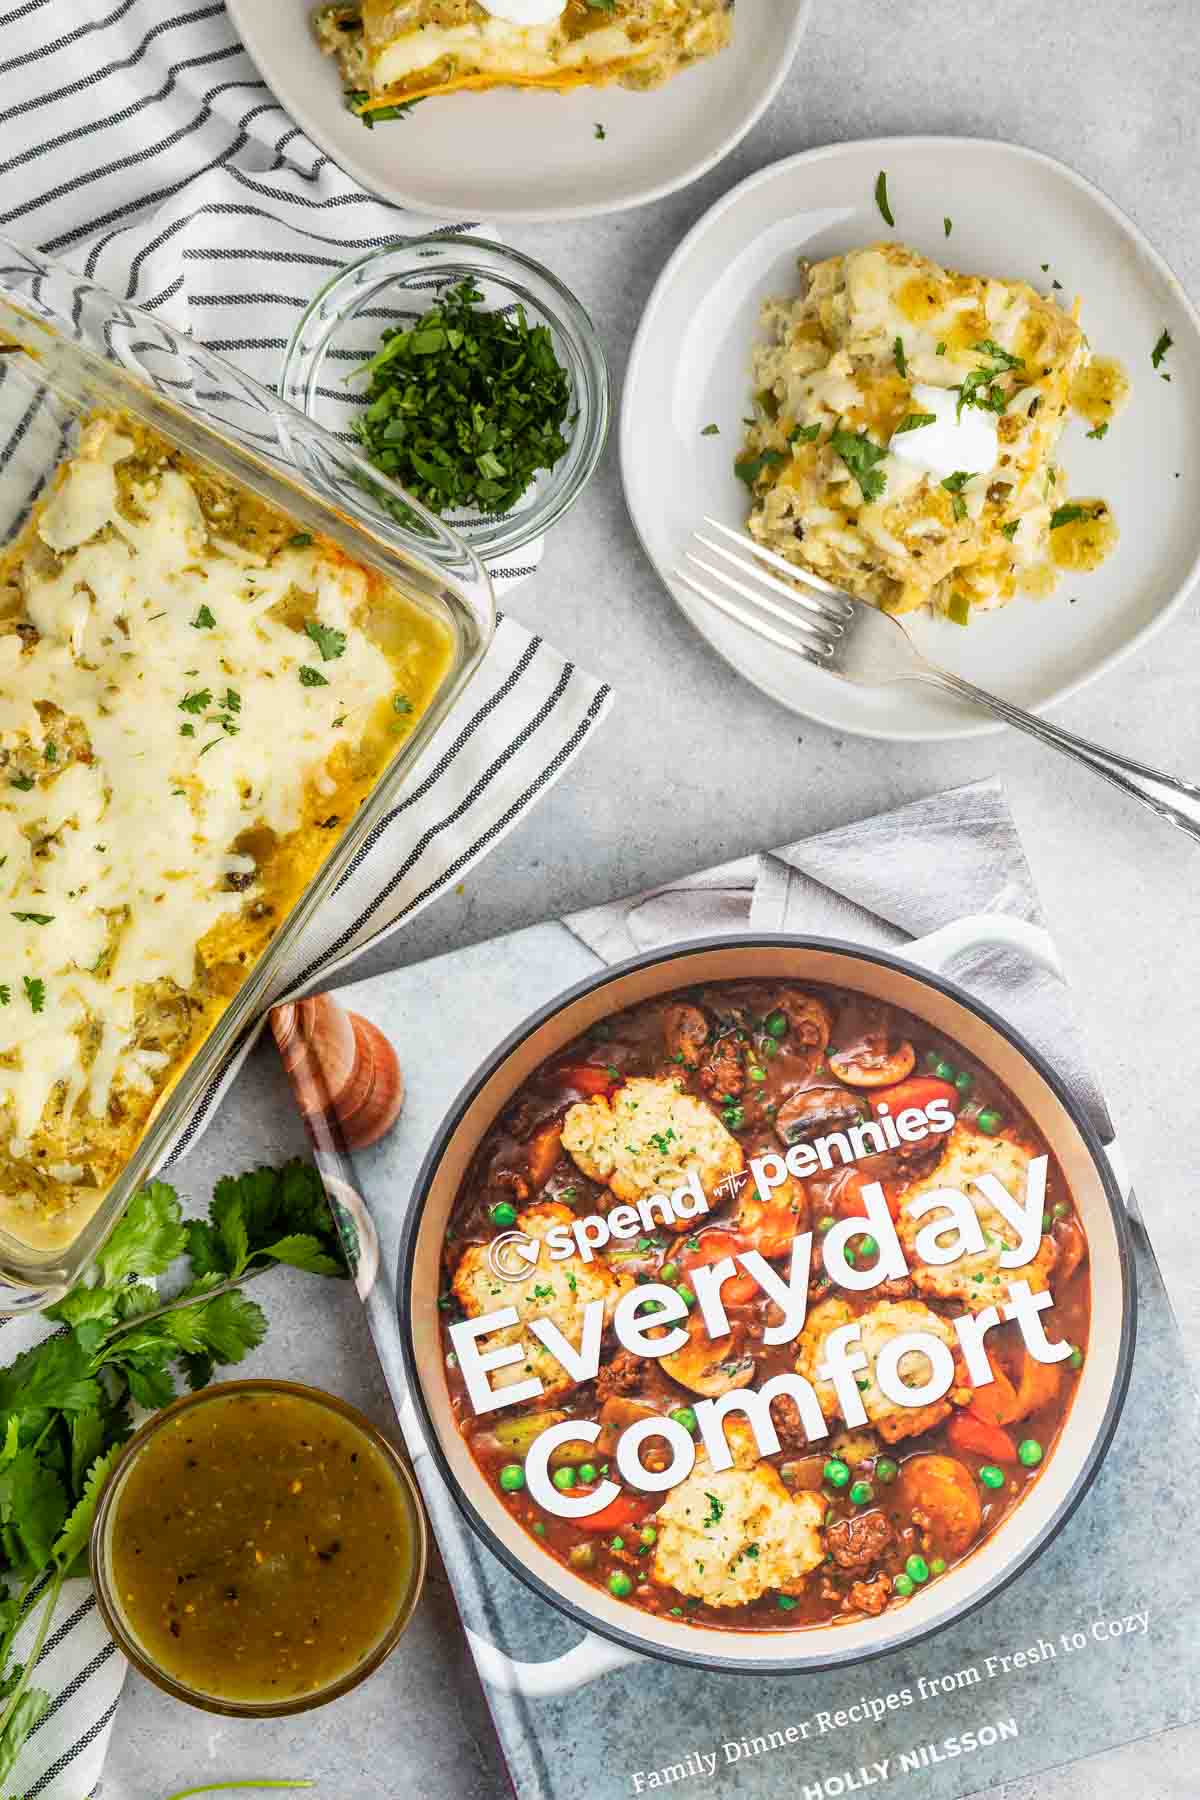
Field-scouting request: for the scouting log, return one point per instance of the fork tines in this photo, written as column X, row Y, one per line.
column 814, row 612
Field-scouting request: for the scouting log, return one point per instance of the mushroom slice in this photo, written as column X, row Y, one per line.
column 710, row 1366
column 813, row 1112
column 868, row 1068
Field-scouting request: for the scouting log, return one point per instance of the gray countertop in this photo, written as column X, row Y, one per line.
column 717, row 770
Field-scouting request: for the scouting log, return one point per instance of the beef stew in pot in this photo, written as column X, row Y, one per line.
column 698, row 1090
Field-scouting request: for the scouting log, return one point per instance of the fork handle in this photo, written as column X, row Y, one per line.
column 1176, row 801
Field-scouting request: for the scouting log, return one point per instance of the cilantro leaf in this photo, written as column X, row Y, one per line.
column 149, row 1237
column 24, row 918
column 72, row 1539
column 947, row 225
column 1000, row 356
column 804, row 434
column 1160, row 349
column 34, row 1502
column 1009, row 530
column 954, row 484
column 5, row 993
column 196, row 702
column 310, row 677
column 749, row 468
column 302, row 1251
column 329, row 642
column 29, row 1712
column 899, row 358
column 1067, row 515
column 35, row 992
column 881, row 197
column 54, row 1373
column 860, row 456
column 1100, row 431
column 203, row 620
column 711, row 431
column 915, row 422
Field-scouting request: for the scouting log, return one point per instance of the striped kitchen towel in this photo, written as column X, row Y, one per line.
column 139, row 143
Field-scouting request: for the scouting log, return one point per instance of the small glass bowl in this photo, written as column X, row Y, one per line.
column 109, row 1603
column 398, row 283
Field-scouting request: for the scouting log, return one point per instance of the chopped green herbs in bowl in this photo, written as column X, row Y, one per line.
column 467, row 373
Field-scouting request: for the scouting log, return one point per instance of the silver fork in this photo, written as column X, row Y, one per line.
column 830, row 629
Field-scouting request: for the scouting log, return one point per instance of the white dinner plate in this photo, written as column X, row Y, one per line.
column 509, row 154
column 1013, row 211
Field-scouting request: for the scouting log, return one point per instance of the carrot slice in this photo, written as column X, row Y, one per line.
column 967, row 1431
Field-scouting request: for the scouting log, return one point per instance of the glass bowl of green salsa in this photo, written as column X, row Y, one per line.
column 259, row 1548
column 465, row 371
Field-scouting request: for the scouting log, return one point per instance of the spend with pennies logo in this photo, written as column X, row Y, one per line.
column 513, row 1254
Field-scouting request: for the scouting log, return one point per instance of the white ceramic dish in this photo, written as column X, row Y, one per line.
column 513, row 155
column 1013, row 210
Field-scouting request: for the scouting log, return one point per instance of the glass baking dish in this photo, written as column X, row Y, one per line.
column 71, row 348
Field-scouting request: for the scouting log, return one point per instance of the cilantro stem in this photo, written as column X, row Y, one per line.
column 52, row 1592
column 178, row 1303
column 227, row 1787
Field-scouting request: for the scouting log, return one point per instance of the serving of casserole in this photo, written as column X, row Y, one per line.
column 907, row 419
column 395, row 51
column 196, row 697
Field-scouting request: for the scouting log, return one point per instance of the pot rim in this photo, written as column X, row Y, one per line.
column 703, row 1658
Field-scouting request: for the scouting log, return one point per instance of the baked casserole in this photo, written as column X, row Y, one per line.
column 195, row 697
column 906, row 425
column 392, row 52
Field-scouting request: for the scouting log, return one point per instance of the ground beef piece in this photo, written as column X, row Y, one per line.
column 724, row 1071
column 623, row 1374
column 870, row 1596
column 789, row 1427
column 858, row 1543
column 512, row 1183
column 900, row 1289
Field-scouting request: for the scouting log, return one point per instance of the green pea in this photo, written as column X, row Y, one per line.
column 964, row 1081
column 776, row 1023
column 917, row 1569
column 1076, row 1359
column 932, row 1059
column 826, row 1224
column 886, row 1470
column 685, row 1416
column 938, row 1566
column 648, row 1535
column 618, row 1543
column 670, row 1272
column 904, row 1585
column 768, row 1047
column 512, row 1478
column 867, row 1245
column 862, row 1493
column 539, row 1530
column 989, row 1121
column 944, row 1071
column 564, row 1478
column 991, row 1476
column 1030, row 1453
column 587, row 1473
column 686, row 1295
column 620, row 1585
column 836, row 1472
column 1061, row 1209
column 785, row 1603
column 1045, row 1221
column 504, row 1214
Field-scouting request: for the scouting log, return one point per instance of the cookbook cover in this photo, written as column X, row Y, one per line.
column 772, row 1325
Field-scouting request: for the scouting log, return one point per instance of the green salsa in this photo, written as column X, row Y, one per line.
column 260, row 1547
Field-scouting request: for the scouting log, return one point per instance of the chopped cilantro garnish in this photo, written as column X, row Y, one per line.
column 1100, row 430
column 51, row 750
column 401, row 704
column 35, row 992
column 187, row 731
column 24, row 918
column 231, row 700
column 711, row 431
column 300, row 540
column 954, row 484
column 915, row 422
column 1000, row 356
column 310, row 677
column 204, row 620
column 749, row 468
column 947, row 226
column 941, row 349
column 197, row 702
column 601, row 134
column 5, row 993
column 1160, row 349
column 804, row 434
column 329, row 642
column 860, row 456
column 1067, row 515
column 1010, row 530
column 899, row 357
column 24, row 782
column 465, row 405
column 881, row 197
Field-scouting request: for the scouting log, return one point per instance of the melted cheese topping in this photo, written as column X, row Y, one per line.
column 881, row 338
column 177, row 708
column 396, row 51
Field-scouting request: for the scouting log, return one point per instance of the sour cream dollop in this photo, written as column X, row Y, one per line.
column 525, row 12
column 952, row 443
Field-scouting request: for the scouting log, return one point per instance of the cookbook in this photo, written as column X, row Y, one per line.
column 804, row 1468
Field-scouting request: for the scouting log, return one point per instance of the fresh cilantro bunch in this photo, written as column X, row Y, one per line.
column 65, row 1405
column 466, row 405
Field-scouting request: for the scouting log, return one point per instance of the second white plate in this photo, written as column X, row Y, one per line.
column 1013, row 211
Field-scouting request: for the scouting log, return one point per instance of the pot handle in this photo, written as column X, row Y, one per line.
column 984, row 931
column 586, row 1661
